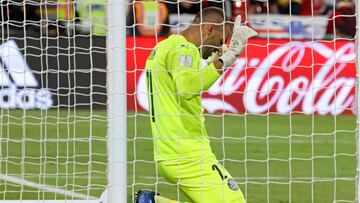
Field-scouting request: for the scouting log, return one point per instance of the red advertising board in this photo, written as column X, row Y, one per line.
column 278, row 76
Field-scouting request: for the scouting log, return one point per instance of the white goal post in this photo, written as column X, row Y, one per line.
column 117, row 110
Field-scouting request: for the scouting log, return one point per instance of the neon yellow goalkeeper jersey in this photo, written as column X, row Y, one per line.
column 176, row 76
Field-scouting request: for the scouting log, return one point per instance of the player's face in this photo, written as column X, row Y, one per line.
column 214, row 38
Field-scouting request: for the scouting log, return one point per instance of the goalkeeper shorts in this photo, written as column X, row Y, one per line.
column 202, row 180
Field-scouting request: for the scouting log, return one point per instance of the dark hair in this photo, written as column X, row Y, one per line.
column 212, row 15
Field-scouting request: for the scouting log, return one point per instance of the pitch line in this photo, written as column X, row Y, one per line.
column 45, row 187
column 271, row 178
column 283, row 140
column 272, row 139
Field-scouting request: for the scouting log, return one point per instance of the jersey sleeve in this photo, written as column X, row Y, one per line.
column 190, row 75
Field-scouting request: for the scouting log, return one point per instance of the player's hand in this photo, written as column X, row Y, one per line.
column 241, row 33
column 214, row 56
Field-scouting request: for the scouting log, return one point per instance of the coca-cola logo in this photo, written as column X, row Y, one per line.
column 300, row 77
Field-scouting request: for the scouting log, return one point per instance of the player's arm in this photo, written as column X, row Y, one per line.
column 191, row 74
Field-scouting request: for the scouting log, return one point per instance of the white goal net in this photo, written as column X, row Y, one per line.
column 53, row 121
column 282, row 120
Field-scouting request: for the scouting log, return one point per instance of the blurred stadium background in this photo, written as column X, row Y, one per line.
column 281, row 145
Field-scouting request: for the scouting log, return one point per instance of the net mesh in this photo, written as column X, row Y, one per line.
column 281, row 120
column 52, row 100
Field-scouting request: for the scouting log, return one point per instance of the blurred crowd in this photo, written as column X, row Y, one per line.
column 149, row 17
column 340, row 18
column 53, row 17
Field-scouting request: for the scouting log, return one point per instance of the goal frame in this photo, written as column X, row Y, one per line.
column 116, row 109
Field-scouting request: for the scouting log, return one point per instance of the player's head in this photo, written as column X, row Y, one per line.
column 216, row 29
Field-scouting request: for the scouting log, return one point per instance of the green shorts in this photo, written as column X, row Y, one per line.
column 203, row 180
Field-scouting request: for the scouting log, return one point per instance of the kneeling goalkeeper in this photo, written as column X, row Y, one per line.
column 178, row 70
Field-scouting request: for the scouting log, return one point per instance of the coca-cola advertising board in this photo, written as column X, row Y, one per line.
column 282, row 27
column 278, row 76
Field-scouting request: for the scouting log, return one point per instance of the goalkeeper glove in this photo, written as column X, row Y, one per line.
column 241, row 33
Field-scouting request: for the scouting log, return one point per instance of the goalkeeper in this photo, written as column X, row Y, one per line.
column 176, row 75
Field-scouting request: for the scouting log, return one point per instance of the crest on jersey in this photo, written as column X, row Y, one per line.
column 232, row 184
column 185, row 60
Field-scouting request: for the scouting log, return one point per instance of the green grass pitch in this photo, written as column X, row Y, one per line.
column 274, row 158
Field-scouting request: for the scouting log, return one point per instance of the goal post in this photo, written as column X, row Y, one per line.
column 117, row 105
